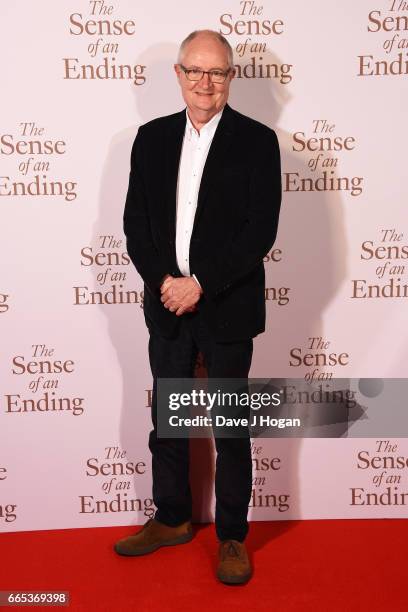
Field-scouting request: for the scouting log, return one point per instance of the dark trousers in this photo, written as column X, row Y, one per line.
column 175, row 358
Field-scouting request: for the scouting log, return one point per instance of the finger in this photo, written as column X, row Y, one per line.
column 166, row 285
column 172, row 305
column 166, row 296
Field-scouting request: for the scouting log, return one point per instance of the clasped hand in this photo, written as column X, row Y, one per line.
column 180, row 295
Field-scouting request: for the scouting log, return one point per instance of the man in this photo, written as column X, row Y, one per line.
column 201, row 213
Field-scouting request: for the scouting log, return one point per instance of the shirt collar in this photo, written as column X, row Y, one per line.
column 208, row 130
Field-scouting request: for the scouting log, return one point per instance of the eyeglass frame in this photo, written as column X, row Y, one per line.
column 209, row 72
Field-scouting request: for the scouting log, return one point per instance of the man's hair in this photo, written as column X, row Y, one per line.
column 215, row 35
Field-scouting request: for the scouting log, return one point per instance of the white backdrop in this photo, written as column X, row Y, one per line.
column 312, row 70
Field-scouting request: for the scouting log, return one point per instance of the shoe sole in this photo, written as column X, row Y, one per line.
column 183, row 539
column 225, row 579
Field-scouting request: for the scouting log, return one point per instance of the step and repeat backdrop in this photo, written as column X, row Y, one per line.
column 78, row 77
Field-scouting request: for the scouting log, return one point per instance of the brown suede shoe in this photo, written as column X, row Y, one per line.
column 152, row 536
column 234, row 566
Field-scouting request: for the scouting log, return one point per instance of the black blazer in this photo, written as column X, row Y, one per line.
column 235, row 223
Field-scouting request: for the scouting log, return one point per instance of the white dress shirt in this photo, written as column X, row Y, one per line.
column 192, row 160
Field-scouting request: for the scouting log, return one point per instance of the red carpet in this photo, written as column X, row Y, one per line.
column 308, row 565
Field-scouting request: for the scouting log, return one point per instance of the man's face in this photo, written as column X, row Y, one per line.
column 204, row 98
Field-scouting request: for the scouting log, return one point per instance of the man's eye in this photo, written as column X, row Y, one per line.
column 217, row 73
column 194, row 71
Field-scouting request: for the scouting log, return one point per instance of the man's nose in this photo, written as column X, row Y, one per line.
column 206, row 81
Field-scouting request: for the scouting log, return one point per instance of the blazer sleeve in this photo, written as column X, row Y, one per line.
column 136, row 223
column 234, row 260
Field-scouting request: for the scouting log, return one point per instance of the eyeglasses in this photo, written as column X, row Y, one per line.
column 196, row 74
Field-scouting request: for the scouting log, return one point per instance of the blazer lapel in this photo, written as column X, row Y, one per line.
column 173, row 144
column 213, row 165
column 216, row 156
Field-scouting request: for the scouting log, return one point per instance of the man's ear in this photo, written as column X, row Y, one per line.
column 177, row 71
